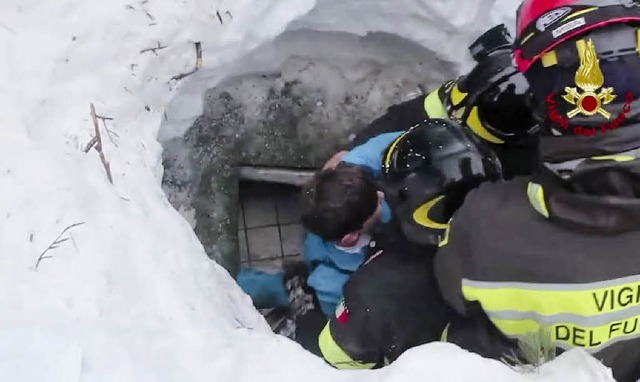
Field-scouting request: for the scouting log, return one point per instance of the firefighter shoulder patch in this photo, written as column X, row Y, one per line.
column 342, row 312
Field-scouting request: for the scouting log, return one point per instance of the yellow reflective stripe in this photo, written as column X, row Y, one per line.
column 617, row 158
column 445, row 240
column 516, row 328
column 333, row 354
column 591, row 338
column 456, row 95
column 535, row 192
column 421, row 214
column 549, row 59
column 445, row 333
column 592, row 316
column 392, row 147
column 524, row 40
column 473, row 121
column 433, row 105
column 638, row 41
column 579, row 13
column 586, row 300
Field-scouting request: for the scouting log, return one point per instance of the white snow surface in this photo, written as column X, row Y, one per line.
column 130, row 294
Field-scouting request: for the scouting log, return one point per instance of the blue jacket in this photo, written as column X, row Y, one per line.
column 332, row 266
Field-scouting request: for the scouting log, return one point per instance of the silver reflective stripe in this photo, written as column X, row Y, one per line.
column 548, row 286
column 591, row 321
column 566, row 346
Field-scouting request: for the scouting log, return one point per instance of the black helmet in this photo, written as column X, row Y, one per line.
column 427, row 172
column 493, row 100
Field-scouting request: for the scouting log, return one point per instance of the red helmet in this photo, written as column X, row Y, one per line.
column 543, row 24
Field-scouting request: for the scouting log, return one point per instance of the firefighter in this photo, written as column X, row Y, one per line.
column 491, row 102
column 391, row 303
column 555, row 254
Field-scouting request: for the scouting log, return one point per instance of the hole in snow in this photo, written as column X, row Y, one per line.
column 289, row 104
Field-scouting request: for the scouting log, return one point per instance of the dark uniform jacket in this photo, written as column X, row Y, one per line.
column 517, row 159
column 390, row 304
column 545, row 254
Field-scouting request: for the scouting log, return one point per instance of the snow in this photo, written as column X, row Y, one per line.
column 131, row 295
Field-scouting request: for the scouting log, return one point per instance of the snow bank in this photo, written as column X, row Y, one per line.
column 129, row 295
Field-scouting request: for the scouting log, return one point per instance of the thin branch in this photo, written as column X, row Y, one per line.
column 73, row 240
column 90, row 145
column 109, row 132
column 110, row 135
column 219, row 17
column 99, row 143
column 198, row 63
column 104, row 118
column 154, row 50
column 229, row 13
column 55, row 244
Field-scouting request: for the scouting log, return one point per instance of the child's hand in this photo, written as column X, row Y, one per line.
column 334, row 160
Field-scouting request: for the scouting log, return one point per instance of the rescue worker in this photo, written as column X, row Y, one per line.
column 557, row 253
column 391, row 303
column 491, row 101
column 470, row 99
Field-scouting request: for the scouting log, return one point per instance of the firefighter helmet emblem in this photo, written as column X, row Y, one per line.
column 589, row 79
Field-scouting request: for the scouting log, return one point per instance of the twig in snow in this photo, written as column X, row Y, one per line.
column 90, row 145
column 73, row 240
column 229, row 13
column 240, row 325
column 59, row 240
column 149, row 15
column 98, row 144
column 198, row 63
column 219, row 17
column 109, row 132
column 104, row 118
column 154, row 50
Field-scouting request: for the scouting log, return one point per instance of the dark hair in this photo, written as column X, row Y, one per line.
column 338, row 201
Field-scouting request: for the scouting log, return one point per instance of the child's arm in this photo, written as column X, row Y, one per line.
column 369, row 154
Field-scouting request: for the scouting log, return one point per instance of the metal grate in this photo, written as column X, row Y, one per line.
column 269, row 226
